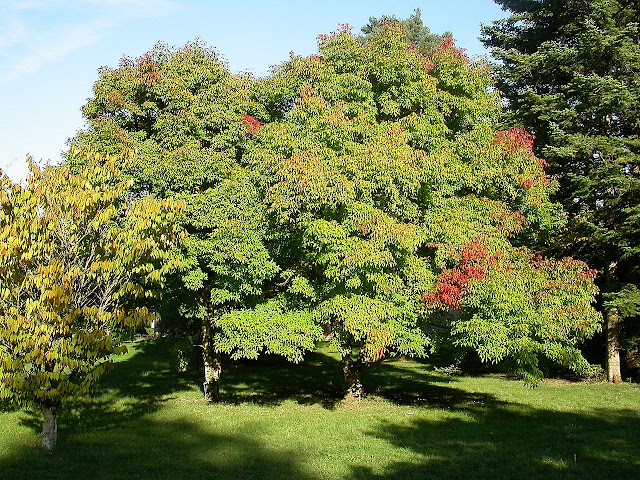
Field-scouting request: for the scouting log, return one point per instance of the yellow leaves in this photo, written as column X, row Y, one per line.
column 74, row 252
column 376, row 345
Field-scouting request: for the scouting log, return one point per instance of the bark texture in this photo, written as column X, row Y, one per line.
column 354, row 370
column 614, row 374
column 212, row 365
column 49, row 428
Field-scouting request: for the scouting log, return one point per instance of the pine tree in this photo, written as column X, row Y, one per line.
column 413, row 28
column 570, row 70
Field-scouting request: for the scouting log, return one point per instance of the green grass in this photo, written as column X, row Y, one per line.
column 284, row 421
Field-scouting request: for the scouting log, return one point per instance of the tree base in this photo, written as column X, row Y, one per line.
column 49, row 429
column 354, row 394
column 211, row 392
column 354, row 370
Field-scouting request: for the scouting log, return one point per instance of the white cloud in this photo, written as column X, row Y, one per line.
column 26, row 54
column 148, row 5
column 13, row 31
column 54, row 48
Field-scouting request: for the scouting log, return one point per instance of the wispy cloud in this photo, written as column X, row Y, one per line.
column 158, row 6
column 11, row 31
column 26, row 51
column 55, row 48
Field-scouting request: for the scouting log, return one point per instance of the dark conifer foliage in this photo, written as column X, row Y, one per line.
column 570, row 70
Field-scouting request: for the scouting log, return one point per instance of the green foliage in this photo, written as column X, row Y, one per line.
column 528, row 309
column 272, row 327
column 570, row 70
column 376, row 164
column 190, row 120
column 415, row 31
column 386, row 163
column 627, row 301
column 80, row 260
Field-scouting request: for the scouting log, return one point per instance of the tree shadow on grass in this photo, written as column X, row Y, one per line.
column 110, row 436
column 133, row 387
column 410, row 383
column 272, row 380
column 319, row 380
column 150, row 449
column 514, row 442
column 6, row 407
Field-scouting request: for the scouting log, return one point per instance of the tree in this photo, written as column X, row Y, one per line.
column 383, row 165
column 570, row 71
column 189, row 119
column 80, row 260
column 415, row 31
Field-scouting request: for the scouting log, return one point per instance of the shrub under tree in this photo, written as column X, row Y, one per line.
column 570, row 70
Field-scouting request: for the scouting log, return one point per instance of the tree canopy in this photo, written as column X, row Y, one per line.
column 570, row 71
column 345, row 192
column 189, row 120
column 385, row 167
column 79, row 261
column 414, row 29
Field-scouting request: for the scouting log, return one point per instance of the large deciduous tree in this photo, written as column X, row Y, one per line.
column 570, row 70
column 383, row 170
column 79, row 261
column 189, row 120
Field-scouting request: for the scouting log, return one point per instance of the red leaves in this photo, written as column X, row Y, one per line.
column 147, row 66
column 526, row 183
column 447, row 49
column 321, row 38
column 473, row 262
column 516, row 139
column 589, row 273
column 519, row 140
column 251, row 124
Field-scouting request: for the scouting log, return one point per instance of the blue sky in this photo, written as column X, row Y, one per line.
column 50, row 50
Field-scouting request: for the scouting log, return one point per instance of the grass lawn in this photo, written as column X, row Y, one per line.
column 279, row 421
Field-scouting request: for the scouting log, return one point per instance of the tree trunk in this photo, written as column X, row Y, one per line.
column 212, row 365
column 212, row 371
column 614, row 374
column 613, row 346
column 354, row 370
column 49, row 428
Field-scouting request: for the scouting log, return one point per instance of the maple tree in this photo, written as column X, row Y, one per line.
column 382, row 169
column 189, row 120
column 80, row 259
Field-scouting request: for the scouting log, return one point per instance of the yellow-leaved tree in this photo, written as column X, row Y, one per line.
column 81, row 260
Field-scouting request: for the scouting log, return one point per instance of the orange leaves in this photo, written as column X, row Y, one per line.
column 251, row 124
column 507, row 222
column 376, row 345
column 147, row 68
column 474, row 261
column 307, row 182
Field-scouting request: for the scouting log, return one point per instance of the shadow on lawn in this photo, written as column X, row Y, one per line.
column 130, row 445
column 480, row 438
column 515, row 442
column 132, row 388
column 319, row 380
column 172, row 450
